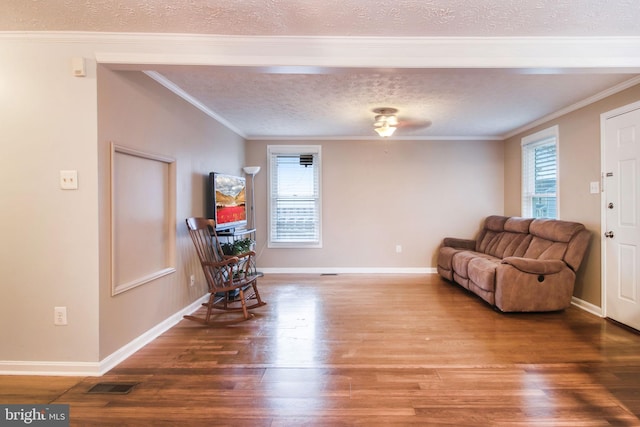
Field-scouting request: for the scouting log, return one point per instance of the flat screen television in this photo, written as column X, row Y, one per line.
column 226, row 200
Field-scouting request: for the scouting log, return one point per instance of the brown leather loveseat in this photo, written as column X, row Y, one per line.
column 518, row 264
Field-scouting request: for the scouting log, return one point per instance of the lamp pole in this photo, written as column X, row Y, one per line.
column 253, row 171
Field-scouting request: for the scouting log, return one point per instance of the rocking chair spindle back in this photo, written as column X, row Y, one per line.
column 230, row 279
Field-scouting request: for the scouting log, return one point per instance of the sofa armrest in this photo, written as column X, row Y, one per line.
column 535, row 266
column 453, row 242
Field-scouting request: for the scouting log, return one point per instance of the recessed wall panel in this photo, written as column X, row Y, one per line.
column 627, row 189
column 627, row 273
column 142, row 218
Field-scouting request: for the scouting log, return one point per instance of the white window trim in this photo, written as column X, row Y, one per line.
column 530, row 141
column 294, row 149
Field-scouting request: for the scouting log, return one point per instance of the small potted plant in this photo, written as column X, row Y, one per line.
column 237, row 247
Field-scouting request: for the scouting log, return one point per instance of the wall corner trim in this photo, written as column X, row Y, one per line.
column 587, row 306
column 96, row 369
column 127, row 350
column 350, row 270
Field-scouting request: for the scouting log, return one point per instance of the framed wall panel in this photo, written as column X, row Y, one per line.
column 143, row 194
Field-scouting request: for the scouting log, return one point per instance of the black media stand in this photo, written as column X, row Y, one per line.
column 233, row 234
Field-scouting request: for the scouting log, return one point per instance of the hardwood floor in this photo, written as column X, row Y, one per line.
column 370, row 350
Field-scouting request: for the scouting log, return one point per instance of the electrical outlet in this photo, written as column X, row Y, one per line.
column 398, row 249
column 60, row 316
column 69, row 180
column 192, row 280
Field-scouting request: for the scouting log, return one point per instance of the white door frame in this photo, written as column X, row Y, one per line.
column 603, row 210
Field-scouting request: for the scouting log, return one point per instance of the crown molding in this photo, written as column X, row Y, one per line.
column 191, row 100
column 288, row 54
column 524, row 54
column 374, row 138
column 571, row 108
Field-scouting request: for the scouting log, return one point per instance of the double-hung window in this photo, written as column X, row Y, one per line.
column 294, row 196
column 540, row 174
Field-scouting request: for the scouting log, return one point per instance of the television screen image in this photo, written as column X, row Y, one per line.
column 227, row 201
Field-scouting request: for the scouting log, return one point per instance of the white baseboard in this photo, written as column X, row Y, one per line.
column 70, row 369
column 587, row 306
column 96, row 369
column 124, row 352
column 349, row 270
column 16, row 367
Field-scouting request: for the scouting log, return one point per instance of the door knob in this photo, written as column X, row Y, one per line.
column 610, row 205
column 609, row 234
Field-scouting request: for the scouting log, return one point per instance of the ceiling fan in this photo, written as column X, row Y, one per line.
column 386, row 122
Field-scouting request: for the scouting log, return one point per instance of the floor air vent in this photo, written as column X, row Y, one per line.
column 112, row 388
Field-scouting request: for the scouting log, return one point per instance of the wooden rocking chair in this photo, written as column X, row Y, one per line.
column 231, row 279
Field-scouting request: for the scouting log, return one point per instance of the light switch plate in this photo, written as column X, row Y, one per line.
column 78, row 67
column 594, row 187
column 69, row 180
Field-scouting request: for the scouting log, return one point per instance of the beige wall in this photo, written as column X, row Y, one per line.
column 579, row 154
column 49, row 250
column 55, row 243
column 381, row 193
column 136, row 112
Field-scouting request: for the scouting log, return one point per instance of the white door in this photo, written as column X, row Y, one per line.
column 622, row 215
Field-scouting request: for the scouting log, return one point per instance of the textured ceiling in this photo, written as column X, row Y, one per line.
column 387, row 18
column 455, row 102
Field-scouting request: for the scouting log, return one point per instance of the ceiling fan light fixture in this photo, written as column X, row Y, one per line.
column 385, row 130
column 385, row 121
column 391, row 119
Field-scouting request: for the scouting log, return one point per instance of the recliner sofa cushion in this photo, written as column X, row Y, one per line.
column 461, row 261
column 495, row 222
column 482, row 272
column 508, row 244
column 445, row 259
column 518, row 225
column 554, row 230
column 512, row 240
column 574, row 234
column 545, row 249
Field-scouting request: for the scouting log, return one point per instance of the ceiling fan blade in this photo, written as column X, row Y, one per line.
column 411, row 125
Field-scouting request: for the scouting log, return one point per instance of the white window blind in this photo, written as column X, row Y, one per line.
column 540, row 174
column 295, row 197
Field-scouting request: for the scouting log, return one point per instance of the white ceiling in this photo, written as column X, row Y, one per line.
column 456, row 97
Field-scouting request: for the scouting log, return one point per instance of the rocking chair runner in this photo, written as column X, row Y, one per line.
column 226, row 275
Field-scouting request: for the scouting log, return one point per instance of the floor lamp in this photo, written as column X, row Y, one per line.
column 253, row 171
